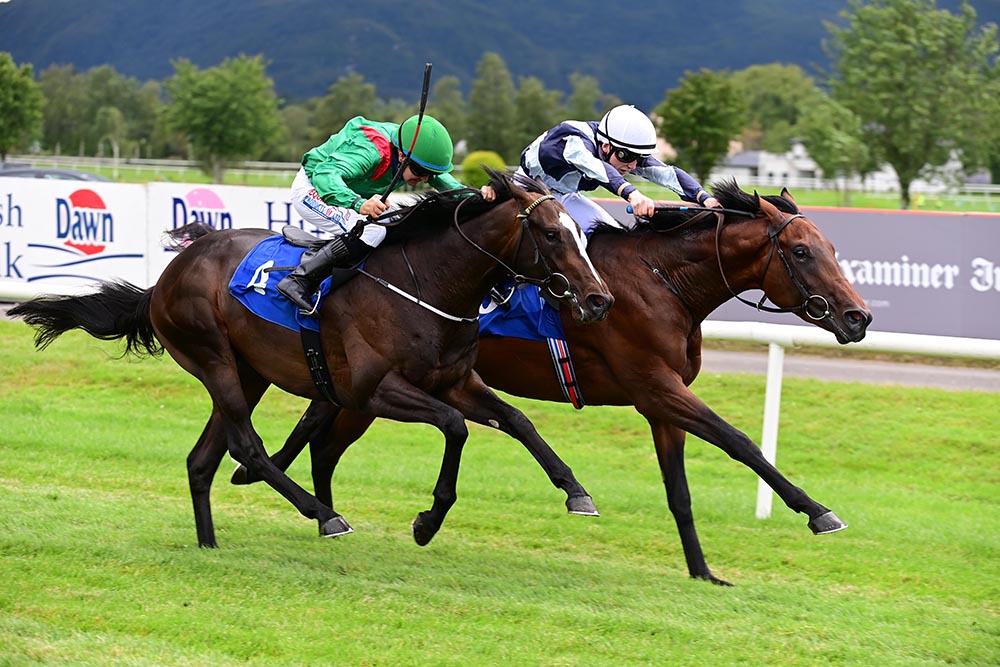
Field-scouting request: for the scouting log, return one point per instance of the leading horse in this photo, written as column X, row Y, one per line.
column 406, row 359
column 667, row 275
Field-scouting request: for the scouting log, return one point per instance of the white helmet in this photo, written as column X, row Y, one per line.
column 627, row 127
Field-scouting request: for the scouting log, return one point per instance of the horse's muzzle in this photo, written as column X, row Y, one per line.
column 594, row 308
column 853, row 325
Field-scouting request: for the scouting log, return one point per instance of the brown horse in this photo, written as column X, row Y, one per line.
column 408, row 360
column 667, row 275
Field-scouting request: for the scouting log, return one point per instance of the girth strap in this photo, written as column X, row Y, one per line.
column 312, row 345
column 565, row 373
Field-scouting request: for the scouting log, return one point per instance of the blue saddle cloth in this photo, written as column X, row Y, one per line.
column 254, row 286
column 526, row 315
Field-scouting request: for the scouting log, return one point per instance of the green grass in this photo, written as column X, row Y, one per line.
column 99, row 566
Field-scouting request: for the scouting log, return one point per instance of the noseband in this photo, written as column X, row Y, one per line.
column 815, row 306
column 553, row 280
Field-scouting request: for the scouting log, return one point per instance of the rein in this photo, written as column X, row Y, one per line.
column 523, row 216
column 815, row 306
column 519, row 278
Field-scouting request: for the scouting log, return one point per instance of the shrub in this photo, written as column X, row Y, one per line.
column 473, row 173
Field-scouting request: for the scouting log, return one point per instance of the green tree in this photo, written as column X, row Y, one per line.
column 586, row 101
column 109, row 125
column 227, row 113
column 699, row 118
column 21, row 105
column 143, row 126
column 776, row 97
column 492, row 114
column 107, row 88
column 832, row 135
column 537, row 110
column 65, row 93
column 349, row 96
column 914, row 75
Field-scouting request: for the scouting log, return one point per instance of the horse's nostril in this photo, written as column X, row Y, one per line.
column 857, row 319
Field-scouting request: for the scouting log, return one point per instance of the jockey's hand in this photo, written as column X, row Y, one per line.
column 712, row 202
column 487, row 192
column 374, row 207
column 642, row 205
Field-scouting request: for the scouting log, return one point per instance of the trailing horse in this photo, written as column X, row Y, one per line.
column 405, row 359
column 667, row 275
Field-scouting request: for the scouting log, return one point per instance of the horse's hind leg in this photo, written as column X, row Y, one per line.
column 669, row 442
column 202, row 463
column 478, row 403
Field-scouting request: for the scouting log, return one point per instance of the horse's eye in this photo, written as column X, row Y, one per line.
column 800, row 252
column 551, row 236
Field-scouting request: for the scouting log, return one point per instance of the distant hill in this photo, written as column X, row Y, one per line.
column 636, row 51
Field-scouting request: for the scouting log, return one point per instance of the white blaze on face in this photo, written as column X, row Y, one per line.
column 581, row 242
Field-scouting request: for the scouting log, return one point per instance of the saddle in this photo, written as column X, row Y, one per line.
column 300, row 238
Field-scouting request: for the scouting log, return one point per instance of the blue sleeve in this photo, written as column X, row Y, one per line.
column 671, row 177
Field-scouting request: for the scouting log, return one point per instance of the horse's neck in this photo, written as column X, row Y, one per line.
column 688, row 264
column 451, row 272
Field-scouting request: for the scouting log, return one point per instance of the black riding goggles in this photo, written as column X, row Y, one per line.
column 419, row 171
column 625, row 156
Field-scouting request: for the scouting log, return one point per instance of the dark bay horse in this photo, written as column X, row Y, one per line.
column 667, row 275
column 406, row 359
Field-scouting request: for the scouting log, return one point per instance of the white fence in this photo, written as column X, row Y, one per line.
column 779, row 336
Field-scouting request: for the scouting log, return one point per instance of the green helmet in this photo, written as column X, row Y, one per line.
column 434, row 149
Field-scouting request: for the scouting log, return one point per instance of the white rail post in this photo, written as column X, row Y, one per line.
column 772, row 412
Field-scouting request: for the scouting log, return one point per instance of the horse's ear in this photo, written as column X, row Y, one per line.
column 785, row 194
column 766, row 207
column 756, row 200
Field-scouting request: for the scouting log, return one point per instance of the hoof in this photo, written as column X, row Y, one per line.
column 240, row 476
column 708, row 576
column 423, row 529
column 826, row 523
column 335, row 527
column 583, row 505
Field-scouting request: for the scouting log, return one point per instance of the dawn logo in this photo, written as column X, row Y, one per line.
column 84, row 223
column 201, row 205
column 84, row 247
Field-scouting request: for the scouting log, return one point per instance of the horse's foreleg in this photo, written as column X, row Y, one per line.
column 395, row 398
column 669, row 442
column 480, row 404
column 687, row 411
column 329, row 442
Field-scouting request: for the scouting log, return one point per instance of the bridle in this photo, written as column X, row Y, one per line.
column 551, row 277
column 518, row 278
column 815, row 306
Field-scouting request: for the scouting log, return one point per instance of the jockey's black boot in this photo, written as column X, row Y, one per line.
column 301, row 285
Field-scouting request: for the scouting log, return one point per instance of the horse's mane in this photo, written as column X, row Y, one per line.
column 434, row 212
column 430, row 214
column 729, row 195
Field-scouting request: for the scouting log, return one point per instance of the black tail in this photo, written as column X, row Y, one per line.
column 117, row 310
